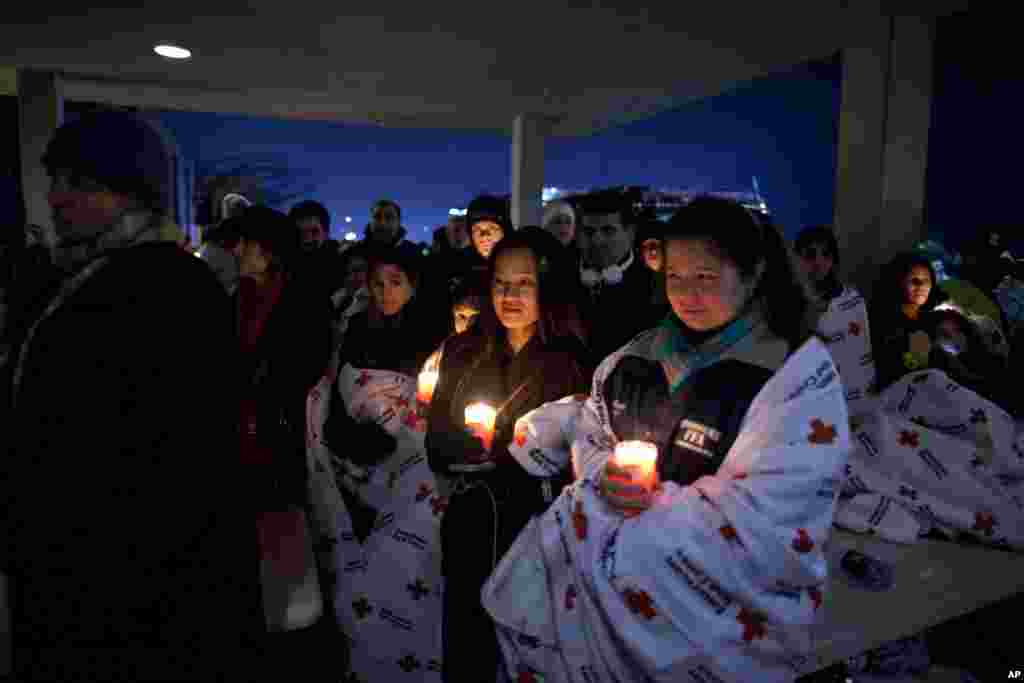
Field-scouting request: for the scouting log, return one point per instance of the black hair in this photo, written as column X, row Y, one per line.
column 468, row 290
column 311, row 209
column 225, row 234
column 488, row 208
column 818, row 234
column 272, row 230
column 738, row 236
column 381, row 203
column 407, row 260
column 890, row 281
column 604, row 203
column 554, row 286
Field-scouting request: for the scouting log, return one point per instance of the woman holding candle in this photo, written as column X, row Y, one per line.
column 723, row 453
column 519, row 355
column 737, row 310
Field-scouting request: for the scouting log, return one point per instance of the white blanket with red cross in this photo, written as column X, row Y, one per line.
column 388, row 590
column 718, row 581
column 934, row 455
column 844, row 327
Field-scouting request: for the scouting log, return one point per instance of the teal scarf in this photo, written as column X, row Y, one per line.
column 681, row 359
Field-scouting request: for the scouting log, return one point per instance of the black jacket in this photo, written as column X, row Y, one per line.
column 614, row 314
column 472, row 536
column 129, row 558
column 291, row 356
column 694, row 428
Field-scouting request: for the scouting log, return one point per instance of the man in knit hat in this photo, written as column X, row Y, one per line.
column 127, row 559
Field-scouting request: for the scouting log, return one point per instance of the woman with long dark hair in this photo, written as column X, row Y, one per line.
column 520, row 354
column 396, row 333
column 904, row 296
column 714, row 433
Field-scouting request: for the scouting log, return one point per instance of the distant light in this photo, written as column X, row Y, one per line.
column 351, row 236
column 348, row 219
column 197, row 254
column 172, row 51
column 456, row 212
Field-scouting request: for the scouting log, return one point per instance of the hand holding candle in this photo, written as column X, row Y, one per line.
column 480, row 418
column 630, row 477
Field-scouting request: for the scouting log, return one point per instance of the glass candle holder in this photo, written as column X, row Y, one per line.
column 425, row 384
column 631, row 475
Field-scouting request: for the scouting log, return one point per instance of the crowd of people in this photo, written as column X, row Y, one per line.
column 163, row 492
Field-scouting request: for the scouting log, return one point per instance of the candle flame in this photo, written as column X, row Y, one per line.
column 636, row 453
column 482, row 414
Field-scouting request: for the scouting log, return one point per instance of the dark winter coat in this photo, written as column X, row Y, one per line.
column 472, row 537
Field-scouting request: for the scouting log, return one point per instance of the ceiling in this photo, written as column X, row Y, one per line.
column 583, row 65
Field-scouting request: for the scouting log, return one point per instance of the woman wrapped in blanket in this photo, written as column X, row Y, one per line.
column 714, row 575
column 396, row 332
column 519, row 355
column 737, row 310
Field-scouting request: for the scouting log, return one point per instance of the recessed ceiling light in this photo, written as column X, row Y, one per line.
column 172, row 51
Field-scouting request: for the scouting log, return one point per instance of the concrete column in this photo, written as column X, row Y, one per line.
column 40, row 112
column 528, row 133
column 883, row 143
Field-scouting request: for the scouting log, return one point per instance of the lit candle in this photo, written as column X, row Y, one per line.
column 480, row 419
column 632, row 473
column 425, row 386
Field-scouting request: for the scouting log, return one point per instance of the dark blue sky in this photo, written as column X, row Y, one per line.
column 780, row 129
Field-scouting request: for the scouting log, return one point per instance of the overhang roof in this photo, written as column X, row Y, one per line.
column 470, row 66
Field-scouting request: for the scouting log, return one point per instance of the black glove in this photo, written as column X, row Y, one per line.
column 448, row 448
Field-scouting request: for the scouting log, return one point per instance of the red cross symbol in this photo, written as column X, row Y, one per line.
column 423, row 492
column 579, row 521
column 520, row 436
column 908, row 439
column 639, row 602
column 816, row 596
column 821, row 432
column 570, row 597
column 411, row 420
column 438, row 504
column 854, row 328
column 526, row 676
column 753, row 624
column 984, row 522
column 803, row 543
column 729, row 533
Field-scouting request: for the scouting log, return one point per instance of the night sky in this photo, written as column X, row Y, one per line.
column 780, row 129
